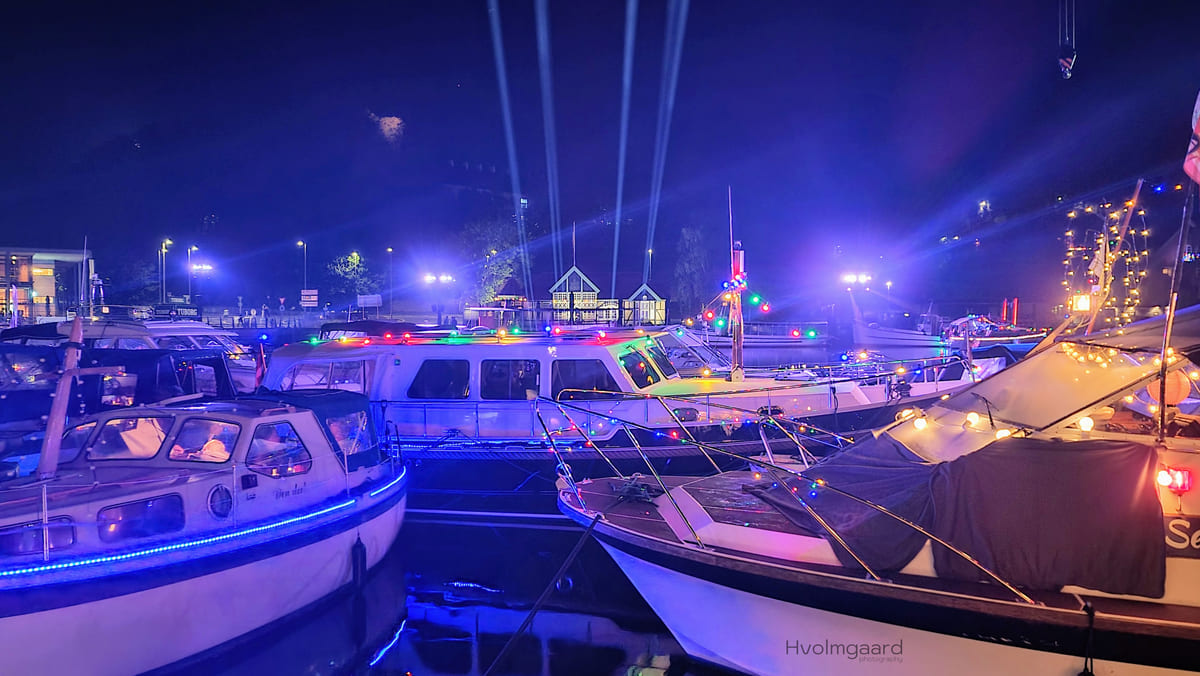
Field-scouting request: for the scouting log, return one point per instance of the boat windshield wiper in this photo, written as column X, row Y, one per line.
column 987, row 405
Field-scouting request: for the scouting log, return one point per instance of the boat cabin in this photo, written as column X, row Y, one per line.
column 491, row 385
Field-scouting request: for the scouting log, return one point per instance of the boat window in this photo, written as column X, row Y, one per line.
column 636, row 365
column 132, row 344
column 27, row 537
column 118, row 390
column 210, row 342
column 347, row 375
column 144, row 518
column 660, row 359
column 201, row 440
column 73, row 441
column 307, row 375
column 582, row 379
column 26, row 372
column 350, row 431
column 277, row 451
column 441, row 379
column 511, row 379
column 174, row 343
column 129, row 438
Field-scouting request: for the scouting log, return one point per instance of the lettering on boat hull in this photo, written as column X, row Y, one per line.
column 1183, row 536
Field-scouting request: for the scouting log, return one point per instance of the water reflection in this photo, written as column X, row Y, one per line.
column 447, row 600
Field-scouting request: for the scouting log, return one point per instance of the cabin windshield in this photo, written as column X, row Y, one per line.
column 1051, row 385
column 637, row 365
column 659, row 356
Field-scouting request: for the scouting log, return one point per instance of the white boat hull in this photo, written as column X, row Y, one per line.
column 143, row 630
column 769, row 637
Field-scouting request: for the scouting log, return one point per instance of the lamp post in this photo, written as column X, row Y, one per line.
column 391, row 286
column 304, row 245
column 162, row 269
column 190, row 270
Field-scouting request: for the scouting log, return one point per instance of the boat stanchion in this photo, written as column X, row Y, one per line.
column 1088, row 664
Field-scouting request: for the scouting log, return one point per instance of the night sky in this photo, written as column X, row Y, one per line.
column 873, row 126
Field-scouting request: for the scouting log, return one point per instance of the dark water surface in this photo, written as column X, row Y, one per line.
column 449, row 597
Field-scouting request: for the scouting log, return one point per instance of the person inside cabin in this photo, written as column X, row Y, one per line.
column 1191, row 162
column 200, row 442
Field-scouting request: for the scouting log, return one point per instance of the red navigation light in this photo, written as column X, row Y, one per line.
column 765, row 307
column 1178, row 481
column 795, row 333
column 558, row 330
column 708, row 315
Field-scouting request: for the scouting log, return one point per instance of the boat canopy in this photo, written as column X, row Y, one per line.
column 1148, row 334
column 1039, row 513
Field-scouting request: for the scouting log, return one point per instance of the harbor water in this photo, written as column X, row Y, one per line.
column 450, row 598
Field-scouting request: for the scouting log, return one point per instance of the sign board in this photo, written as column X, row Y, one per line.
column 308, row 298
column 176, row 311
column 1183, row 536
column 370, row 300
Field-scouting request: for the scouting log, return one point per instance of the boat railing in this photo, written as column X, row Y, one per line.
column 41, row 495
column 521, row 421
column 780, row 474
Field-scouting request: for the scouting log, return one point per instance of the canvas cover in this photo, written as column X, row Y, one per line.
column 1039, row 513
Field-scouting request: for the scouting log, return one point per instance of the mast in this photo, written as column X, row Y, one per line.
column 1168, row 325
column 737, row 265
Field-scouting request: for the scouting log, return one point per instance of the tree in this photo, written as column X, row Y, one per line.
column 493, row 246
column 693, row 270
column 133, row 283
column 349, row 276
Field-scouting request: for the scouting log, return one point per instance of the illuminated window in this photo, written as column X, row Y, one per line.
column 276, row 451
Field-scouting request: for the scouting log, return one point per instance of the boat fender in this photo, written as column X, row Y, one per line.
column 358, row 563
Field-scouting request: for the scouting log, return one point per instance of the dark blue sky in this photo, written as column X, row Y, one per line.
column 874, row 125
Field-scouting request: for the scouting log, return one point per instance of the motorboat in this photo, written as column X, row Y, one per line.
column 154, row 533
column 477, row 413
column 1044, row 520
column 183, row 335
column 29, row 374
column 978, row 332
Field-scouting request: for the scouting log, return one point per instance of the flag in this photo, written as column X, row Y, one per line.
column 260, row 365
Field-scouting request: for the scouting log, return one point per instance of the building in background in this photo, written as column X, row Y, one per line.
column 39, row 283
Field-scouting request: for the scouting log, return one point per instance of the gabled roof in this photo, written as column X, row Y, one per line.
column 563, row 283
column 644, row 292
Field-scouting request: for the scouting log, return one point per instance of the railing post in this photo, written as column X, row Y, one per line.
column 45, row 524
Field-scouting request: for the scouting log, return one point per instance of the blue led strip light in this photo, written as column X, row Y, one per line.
column 393, row 482
column 181, row 545
column 384, row 650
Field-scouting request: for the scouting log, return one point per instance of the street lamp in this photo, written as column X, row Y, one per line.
column 304, row 245
column 191, row 270
column 162, row 269
column 391, row 286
